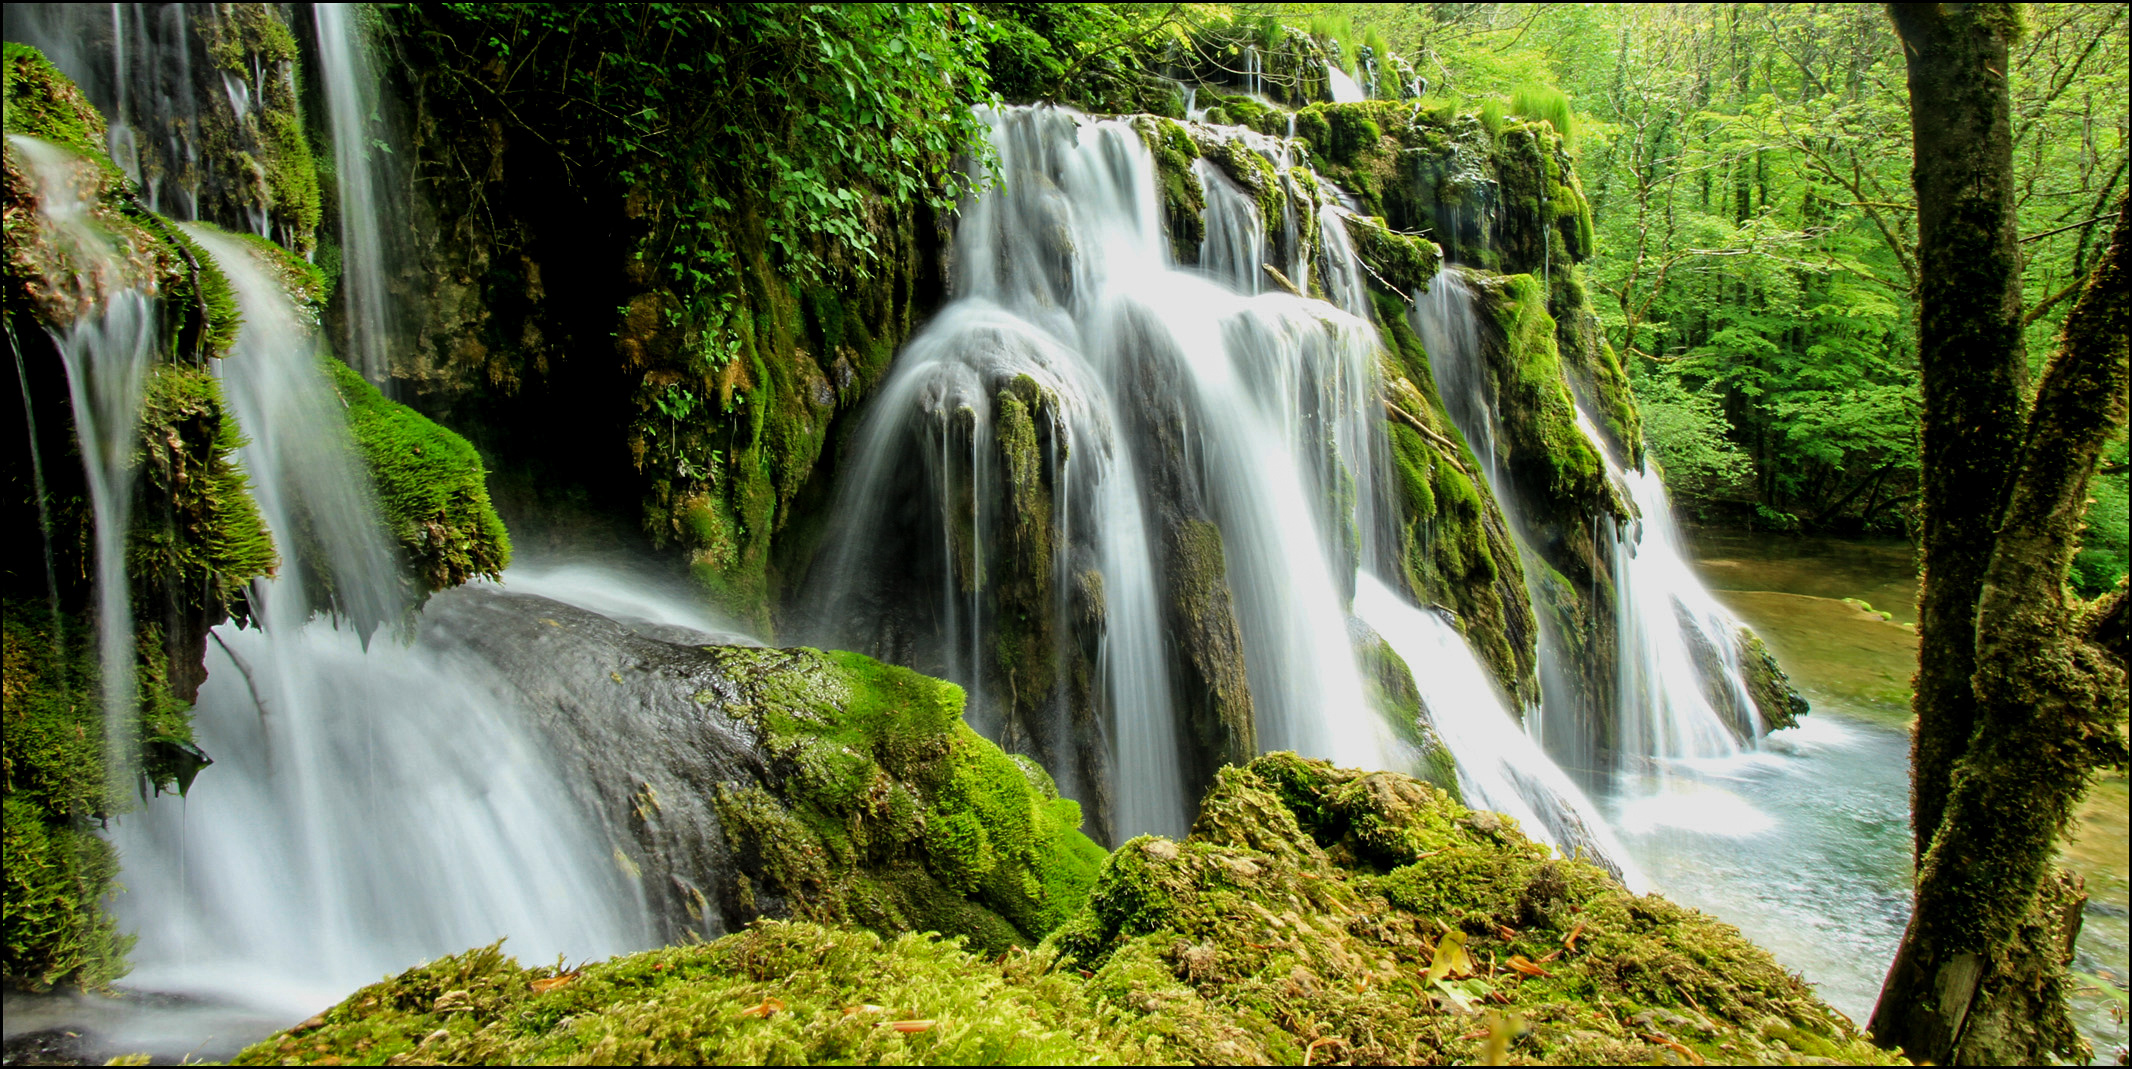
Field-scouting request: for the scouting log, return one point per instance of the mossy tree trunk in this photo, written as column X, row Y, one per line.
column 2016, row 707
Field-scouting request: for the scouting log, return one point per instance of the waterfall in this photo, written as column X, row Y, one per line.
column 135, row 63
column 1344, row 89
column 1682, row 691
column 1233, row 247
column 350, row 86
column 1500, row 767
column 107, row 351
column 1164, row 391
column 1451, row 335
column 373, row 803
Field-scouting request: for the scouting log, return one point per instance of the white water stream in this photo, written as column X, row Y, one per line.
column 372, row 804
column 107, row 353
column 351, row 90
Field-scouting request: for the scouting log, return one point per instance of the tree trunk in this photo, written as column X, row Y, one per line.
column 1969, row 355
column 1980, row 977
column 2015, row 706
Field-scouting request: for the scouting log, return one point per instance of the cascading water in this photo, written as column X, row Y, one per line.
column 1451, row 335
column 1234, row 246
column 1682, row 692
column 135, row 63
column 1062, row 276
column 107, row 352
column 369, row 808
column 1344, row 88
column 1499, row 767
column 350, row 86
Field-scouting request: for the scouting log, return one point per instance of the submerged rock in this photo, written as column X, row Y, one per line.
column 1313, row 913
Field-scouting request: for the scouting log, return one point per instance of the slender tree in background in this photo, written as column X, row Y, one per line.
column 2018, row 695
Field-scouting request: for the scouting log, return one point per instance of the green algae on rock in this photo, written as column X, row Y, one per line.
column 1314, row 913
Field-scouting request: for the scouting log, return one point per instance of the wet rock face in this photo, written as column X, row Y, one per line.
column 740, row 782
column 1780, row 703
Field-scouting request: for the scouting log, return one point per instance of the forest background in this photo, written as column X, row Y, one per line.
column 1748, row 168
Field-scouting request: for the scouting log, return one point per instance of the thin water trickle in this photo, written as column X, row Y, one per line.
column 351, row 88
column 107, row 352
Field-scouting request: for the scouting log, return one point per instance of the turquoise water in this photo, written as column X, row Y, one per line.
column 1805, row 845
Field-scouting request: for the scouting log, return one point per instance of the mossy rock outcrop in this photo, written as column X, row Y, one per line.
column 739, row 782
column 53, row 744
column 1314, row 914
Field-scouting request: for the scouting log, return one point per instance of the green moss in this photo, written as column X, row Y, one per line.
column 432, row 486
column 58, row 871
column 1390, row 683
column 242, row 40
column 1551, row 458
column 1406, row 262
column 776, row 994
column 1779, row 703
column 207, row 538
column 1304, row 912
column 1183, row 202
column 44, row 103
column 896, row 815
column 1309, row 902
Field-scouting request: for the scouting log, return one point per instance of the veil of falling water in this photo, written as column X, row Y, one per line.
column 107, row 353
column 1062, row 275
column 350, row 88
column 1681, row 695
column 374, row 803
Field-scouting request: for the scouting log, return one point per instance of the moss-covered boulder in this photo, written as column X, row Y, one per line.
column 1314, row 915
column 1368, row 918
column 1779, row 703
column 777, row 994
column 1455, row 548
column 432, row 487
column 738, row 782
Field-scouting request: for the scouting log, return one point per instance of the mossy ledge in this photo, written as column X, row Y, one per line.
column 432, row 486
column 1313, row 913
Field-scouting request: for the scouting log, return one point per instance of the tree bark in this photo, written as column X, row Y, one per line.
column 1969, row 355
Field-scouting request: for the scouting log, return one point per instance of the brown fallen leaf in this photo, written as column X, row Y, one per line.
column 1506, row 933
column 1551, row 955
column 910, row 1026
column 1526, row 966
column 764, row 1008
column 553, row 982
column 1676, row 1047
column 316, row 1020
column 1569, row 942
